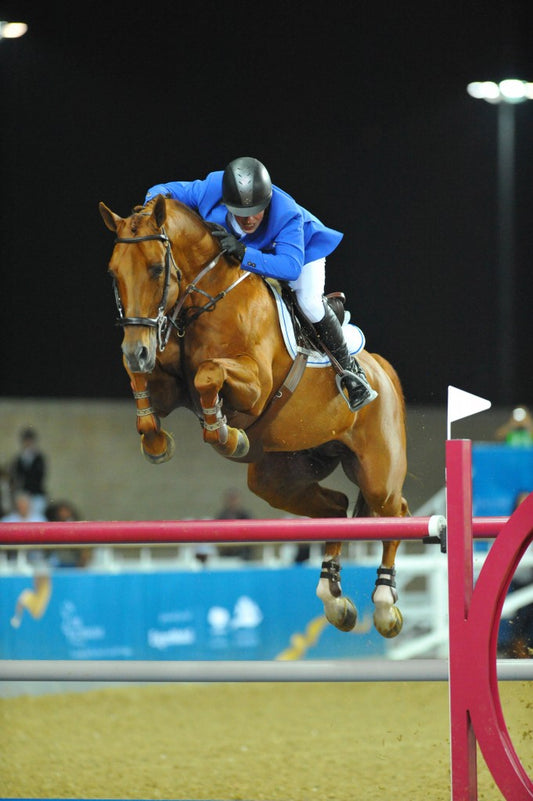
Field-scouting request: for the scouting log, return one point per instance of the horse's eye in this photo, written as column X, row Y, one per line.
column 156, row 270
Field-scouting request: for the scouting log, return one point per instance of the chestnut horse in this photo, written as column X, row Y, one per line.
column 202, row 333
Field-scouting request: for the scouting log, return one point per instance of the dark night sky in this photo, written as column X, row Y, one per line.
column 359, row 110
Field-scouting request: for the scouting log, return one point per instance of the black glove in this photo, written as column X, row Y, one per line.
column 230, row 245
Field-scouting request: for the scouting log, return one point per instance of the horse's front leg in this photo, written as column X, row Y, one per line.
column 157, row 445
column 338, row 608
column 242, row 390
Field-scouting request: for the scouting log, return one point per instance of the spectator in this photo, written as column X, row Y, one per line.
column 61, row 512
column 64, row 512
column 28, row 471
column 518, row 430
column 233, row 509
column 5, row 490
column 23, row 512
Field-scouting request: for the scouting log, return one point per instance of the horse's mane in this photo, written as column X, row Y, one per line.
column 139, row 212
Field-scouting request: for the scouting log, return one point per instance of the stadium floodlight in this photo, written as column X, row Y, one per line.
column 510, row 90
column 12, row 30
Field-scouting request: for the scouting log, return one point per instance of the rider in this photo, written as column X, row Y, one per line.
column 270, row 234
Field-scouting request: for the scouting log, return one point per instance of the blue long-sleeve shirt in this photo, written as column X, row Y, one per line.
column 289, row 236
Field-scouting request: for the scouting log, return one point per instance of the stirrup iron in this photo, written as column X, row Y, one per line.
column 370, row 395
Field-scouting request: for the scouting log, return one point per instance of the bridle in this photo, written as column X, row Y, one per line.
column 176, row 319
column 161, row 321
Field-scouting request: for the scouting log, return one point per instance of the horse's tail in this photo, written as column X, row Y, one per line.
column 394, row 377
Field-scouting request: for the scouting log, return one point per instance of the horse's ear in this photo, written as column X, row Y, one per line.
column 160, row 211
column 110, row 219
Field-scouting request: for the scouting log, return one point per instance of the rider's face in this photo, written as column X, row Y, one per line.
column 250, row 224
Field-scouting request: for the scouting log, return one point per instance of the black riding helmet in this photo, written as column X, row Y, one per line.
column 246, row 187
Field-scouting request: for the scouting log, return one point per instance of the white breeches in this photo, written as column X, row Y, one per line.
column 309, row 289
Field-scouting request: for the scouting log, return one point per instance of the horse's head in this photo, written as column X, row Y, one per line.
column 144, row 278
column 146, row 269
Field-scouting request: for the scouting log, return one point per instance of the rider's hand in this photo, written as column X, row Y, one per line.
column 230, row 244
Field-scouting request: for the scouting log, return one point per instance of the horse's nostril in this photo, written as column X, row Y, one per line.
column 138, row 356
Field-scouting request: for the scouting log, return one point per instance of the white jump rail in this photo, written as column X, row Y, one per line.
column 197, row 671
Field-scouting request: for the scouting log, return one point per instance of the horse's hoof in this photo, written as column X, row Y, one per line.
column 342, row 614
column 391, row 625
column 166, row 455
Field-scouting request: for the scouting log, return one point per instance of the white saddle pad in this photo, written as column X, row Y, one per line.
column 355, row 339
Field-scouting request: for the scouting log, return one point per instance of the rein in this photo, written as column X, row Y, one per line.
column 164, row 322
column 181, row 325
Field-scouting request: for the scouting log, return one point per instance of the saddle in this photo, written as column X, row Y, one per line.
column 304, row 330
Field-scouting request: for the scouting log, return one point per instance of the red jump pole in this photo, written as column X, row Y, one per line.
column 188, row 531
column 155, row 532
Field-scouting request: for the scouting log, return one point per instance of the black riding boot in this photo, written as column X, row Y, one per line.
column 353, row 379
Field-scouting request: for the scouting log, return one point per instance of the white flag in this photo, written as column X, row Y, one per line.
column 463, row 404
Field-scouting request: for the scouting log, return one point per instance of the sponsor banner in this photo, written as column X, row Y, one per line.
column 254, row 613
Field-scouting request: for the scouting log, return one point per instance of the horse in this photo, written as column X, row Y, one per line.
column 201, row 332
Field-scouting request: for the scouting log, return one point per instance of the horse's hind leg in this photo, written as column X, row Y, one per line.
column 289, row 481
column 338, row 608
column 388, row 619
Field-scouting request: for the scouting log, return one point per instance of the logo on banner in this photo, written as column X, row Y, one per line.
column 241, row 624
column 246, row 615
column 171, row 638
column 75, row 630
